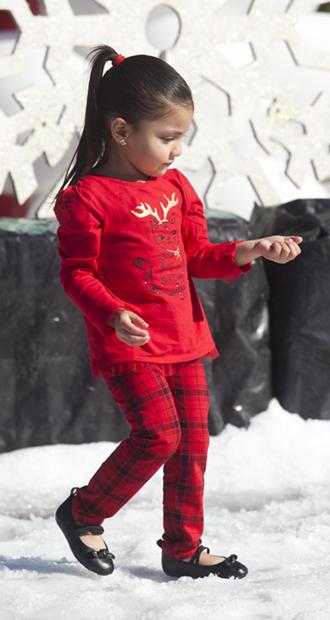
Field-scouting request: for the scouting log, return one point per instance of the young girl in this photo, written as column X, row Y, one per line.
column 132, row 234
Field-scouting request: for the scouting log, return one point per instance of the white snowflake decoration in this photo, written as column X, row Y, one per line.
column 242, row 111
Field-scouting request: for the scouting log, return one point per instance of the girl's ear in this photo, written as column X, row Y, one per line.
column 119, row 128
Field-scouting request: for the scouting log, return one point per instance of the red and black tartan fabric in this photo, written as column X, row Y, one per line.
column 169, row 426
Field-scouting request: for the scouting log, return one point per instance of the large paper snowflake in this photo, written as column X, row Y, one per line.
column 243, row 110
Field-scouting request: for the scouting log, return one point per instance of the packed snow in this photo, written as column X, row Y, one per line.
column 267, row 499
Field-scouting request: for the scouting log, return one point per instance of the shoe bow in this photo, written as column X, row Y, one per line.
column 231, row 559
column 102, row 553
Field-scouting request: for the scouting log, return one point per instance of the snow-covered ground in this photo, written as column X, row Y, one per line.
column 267, row 499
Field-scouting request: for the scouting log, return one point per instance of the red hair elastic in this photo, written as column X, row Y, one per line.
column 119, row 58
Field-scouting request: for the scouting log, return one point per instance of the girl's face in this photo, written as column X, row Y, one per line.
column 154, row 145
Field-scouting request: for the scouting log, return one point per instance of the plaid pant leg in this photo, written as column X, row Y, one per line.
column 147, row 402
column 183, row 478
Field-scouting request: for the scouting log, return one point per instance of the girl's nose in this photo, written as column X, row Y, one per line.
column 177, row 150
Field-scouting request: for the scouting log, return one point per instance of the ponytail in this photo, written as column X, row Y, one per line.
column 93, row 142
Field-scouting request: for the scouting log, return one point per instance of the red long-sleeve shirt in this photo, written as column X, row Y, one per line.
column 136, row 245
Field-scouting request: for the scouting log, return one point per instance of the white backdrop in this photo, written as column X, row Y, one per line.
column 258, row 70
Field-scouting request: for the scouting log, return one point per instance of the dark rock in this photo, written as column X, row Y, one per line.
column 299, row 306
column 240, row 379
column 47, row 393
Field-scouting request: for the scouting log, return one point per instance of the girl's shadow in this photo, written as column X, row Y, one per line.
column 71, row 568
column 43, row 566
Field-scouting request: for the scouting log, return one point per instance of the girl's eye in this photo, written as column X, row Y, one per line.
column 169, row 139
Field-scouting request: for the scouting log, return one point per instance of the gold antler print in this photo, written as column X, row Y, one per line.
column 147, row 210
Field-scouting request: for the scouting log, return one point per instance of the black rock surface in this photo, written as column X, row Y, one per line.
column 299, row 306
column 47, row 393
column 240, row 379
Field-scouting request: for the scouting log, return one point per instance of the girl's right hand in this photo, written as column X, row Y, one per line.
column 127, row 331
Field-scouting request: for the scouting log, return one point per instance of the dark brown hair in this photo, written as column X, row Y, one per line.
column 140, row 87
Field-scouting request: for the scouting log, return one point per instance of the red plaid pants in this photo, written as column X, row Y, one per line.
column 169, row 426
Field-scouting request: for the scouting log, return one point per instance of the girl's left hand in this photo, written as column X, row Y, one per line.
column 277, row 248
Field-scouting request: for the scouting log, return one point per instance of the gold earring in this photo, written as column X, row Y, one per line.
column 123, row 141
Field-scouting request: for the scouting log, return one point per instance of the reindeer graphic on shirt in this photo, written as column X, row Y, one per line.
column 164, row 230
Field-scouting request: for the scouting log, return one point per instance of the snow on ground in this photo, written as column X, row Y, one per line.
column 267, row 499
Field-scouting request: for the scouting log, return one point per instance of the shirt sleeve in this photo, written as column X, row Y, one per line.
column 79, row 236
column 205, row 259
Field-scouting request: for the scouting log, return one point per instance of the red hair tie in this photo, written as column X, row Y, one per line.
column 118, row 59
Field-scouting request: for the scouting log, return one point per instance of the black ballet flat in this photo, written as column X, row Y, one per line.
column 225, row 569
column 97, row 560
